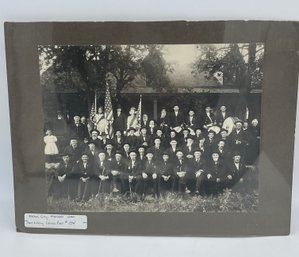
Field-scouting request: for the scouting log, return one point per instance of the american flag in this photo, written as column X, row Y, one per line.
column 109, row 111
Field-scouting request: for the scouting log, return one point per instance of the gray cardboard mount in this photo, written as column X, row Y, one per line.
column 277, row 133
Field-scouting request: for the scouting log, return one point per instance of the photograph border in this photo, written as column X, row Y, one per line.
column 277, row 135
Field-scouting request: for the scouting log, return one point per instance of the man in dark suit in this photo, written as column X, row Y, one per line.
column 172, row 149
column 77, row 129
column 102, row 175
column 74, row 151
column 126, row 151
column 192, row 121
column 223, row 151
column 131, row 138
column 118, row 173
column 209, row 144
column 221, row 115
column 120, row 120
column 208, row 119
column 133, row 174
column 189, row 148
column 83, row 172
column 166, row 172
column 235, row 174
column 109, row 149
column 63, row 180
column 199, row 168
column 92, row 152
column 95, row 139
column 238, row 138
column 150, row 176
column 182, row 172
column 176, row 118
column 215, row 178
column 157, row 149
column 143, row 138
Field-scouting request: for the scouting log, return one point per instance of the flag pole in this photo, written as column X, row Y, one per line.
column 95, row 101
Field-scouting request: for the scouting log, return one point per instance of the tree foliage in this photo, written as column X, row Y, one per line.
column 241, row 64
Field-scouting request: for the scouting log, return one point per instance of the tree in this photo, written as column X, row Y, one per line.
column 156, row 68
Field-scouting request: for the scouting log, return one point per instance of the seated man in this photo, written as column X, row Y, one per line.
column 133, row 173
column 166, row 173
column 83, row 172
column 215, row 175
column 118, row 170
column 63, row 179
column 199, row 168
column 182, row 172
column 235, row 174
column 102, row 175
column 149, row 176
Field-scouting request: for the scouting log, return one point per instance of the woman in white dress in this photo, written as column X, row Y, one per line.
column 100, row 121
column 51, row 149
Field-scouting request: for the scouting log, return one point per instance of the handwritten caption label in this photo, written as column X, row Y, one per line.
column 58, row 221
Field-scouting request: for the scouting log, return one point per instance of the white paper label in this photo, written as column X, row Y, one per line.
column 58, row 221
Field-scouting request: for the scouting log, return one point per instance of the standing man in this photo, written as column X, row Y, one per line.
column 77, row 129
column 199, row 167
column 182, row 172
column 118, row 173
column 221, row 115
column 120, row 120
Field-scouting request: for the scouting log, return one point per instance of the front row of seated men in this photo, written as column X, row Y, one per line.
column 95, row 174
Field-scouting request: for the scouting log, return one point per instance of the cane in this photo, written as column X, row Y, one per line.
column 131, row 196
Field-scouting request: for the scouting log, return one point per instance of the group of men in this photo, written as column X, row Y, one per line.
column 176, row 153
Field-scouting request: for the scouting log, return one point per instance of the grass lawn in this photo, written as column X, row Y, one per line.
column 227, row 201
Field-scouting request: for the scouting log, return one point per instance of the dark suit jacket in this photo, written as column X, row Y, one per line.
column 79, row 170
column 206, row 120
column 64, row 169
column 176, row 121
column 74, row 153
column 132, row 140
column 217, row 171
column 134, row 170
column 166, row 168
column 220, row 119
column 120, row 167
column 79, row 131
column 120, row 122
column 195, row 122
column 102, row 170
column 235, row 173
column 150, row 168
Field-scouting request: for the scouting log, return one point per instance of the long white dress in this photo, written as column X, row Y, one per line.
column 51, row 147
column 101, row 123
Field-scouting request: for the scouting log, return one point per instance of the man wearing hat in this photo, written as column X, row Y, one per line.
column 102, row 175
column 83, row 171
column 133, row 174
column 237, row 138
column 222, row 150
column 210, row 143
column 199, row 168
column 104, row 140
column 150, row 176
column 76, row 129
column 164, row 120
column 141, row 155
column 109, row 150
column 208, row 118
column 172, row 149
column 223, row 135
column 120, row 120
column 62, row 177
column 157, row 149
column 92, row 152
column 118, row 173
column 176, row 118
column 215, row 175
column 166, row 173
column 235, row 174
column 185, row 134
column 131, row 138
column 182, row 171
column 118, row 139
column 192, row 121
column 143, row 138
column 74, row 150
column 126, row 151
column 94, row 137
column 221, row 115
column 189, row 147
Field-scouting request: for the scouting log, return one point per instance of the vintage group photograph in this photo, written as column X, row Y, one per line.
column 152, row 128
